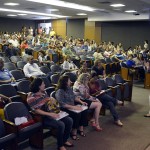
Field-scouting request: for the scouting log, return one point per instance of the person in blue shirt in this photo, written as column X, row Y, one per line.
column 130, row 62
column 5, row 75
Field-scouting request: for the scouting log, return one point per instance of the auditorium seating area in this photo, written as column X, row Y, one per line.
column 118, row 79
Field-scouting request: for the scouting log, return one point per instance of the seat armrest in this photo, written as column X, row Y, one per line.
column 10, row 126
column 36, row 117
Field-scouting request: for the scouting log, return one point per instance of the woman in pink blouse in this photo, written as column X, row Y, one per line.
column 81, row 89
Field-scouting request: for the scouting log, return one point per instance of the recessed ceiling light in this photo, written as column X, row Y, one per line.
column 22, row 14
column 117, row 5
column 81, row 14
column 32, row 13
column 11, row 15
column 11, row 4
column 64, row 4
column 54, row 10
column 130, row 11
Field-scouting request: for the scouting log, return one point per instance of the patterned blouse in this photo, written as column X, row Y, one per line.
column 65, row 96
column 82, row 90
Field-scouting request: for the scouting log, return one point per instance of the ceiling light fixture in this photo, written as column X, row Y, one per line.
column 22, row 14
column 117, row 5
column 11, row 4
column 81, row 14
column 64, row 4
column 32, row 13
column 130, row 11
column 11, row 15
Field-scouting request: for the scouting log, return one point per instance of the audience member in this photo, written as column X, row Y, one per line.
column 5, row 75
column 37, row 100
column 81, row 89
column 68, row 102
column 106, row 100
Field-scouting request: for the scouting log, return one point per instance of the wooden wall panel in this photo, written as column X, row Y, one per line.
column 59, row 27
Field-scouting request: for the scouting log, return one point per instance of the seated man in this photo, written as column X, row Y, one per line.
column 31, row 69
column 5, row 75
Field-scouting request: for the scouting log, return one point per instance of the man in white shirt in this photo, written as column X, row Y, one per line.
column 31, row 69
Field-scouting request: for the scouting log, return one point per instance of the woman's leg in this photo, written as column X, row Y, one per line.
column 60, row 127
column 68, row 127
column 96, row 106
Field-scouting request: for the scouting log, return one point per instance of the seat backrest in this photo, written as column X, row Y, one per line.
column 108, row 60
column 15, row 59
column 110, row 81
column 5, row 59
column 2, row 128
column 45, row 69
column 46, row 82
column 72, row 76
column 11, row 112
column 55, row 78
column 8, row 90
column 20, row 64
column 17, row 74
column 103, row 61
column 55, row 68
column 53, row 94
column 24, row 86
column 102, row 84
column 10, row 66
column 55, row 58
column 118, row 78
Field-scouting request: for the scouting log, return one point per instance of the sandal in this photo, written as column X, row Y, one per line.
column 74, row 137
column 81, row 133
column 68, row 144
column 92, row 123
column 98, row 128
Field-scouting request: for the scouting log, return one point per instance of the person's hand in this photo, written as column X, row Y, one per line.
column 84, row 103
column 77, row 107
column 54, row 115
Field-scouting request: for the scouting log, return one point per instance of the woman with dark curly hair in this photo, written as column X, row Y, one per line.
column 37, row 100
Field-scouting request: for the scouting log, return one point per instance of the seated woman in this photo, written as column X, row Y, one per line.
column 5, row 75
column 81, row 89
column 98, row 68
column 37, row 100
column 68, row 101
column 106, row 100
column 68, row 65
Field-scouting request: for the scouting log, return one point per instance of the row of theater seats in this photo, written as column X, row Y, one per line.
column 116, row 87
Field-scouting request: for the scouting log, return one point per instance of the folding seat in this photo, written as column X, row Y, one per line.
column 106, row 66
column 45, row 69
column 7, row 140
column 116, row 88
column 72, row 76
column 20, row 64
column 126, row 86
column 10, row 91
column 18, row 75
column 56, row 69
column 105, row 87
column 55, row 58
column 118, row 66
column 31, row 130
column 54, row 79
column 15, row 59
column 10, row 66
column 113, row 66
column 48, row 86
column 5, row 59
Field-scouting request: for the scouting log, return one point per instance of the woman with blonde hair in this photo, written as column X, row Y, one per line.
column 81, row 89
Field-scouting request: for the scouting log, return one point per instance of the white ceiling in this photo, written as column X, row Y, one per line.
column 104, row 12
